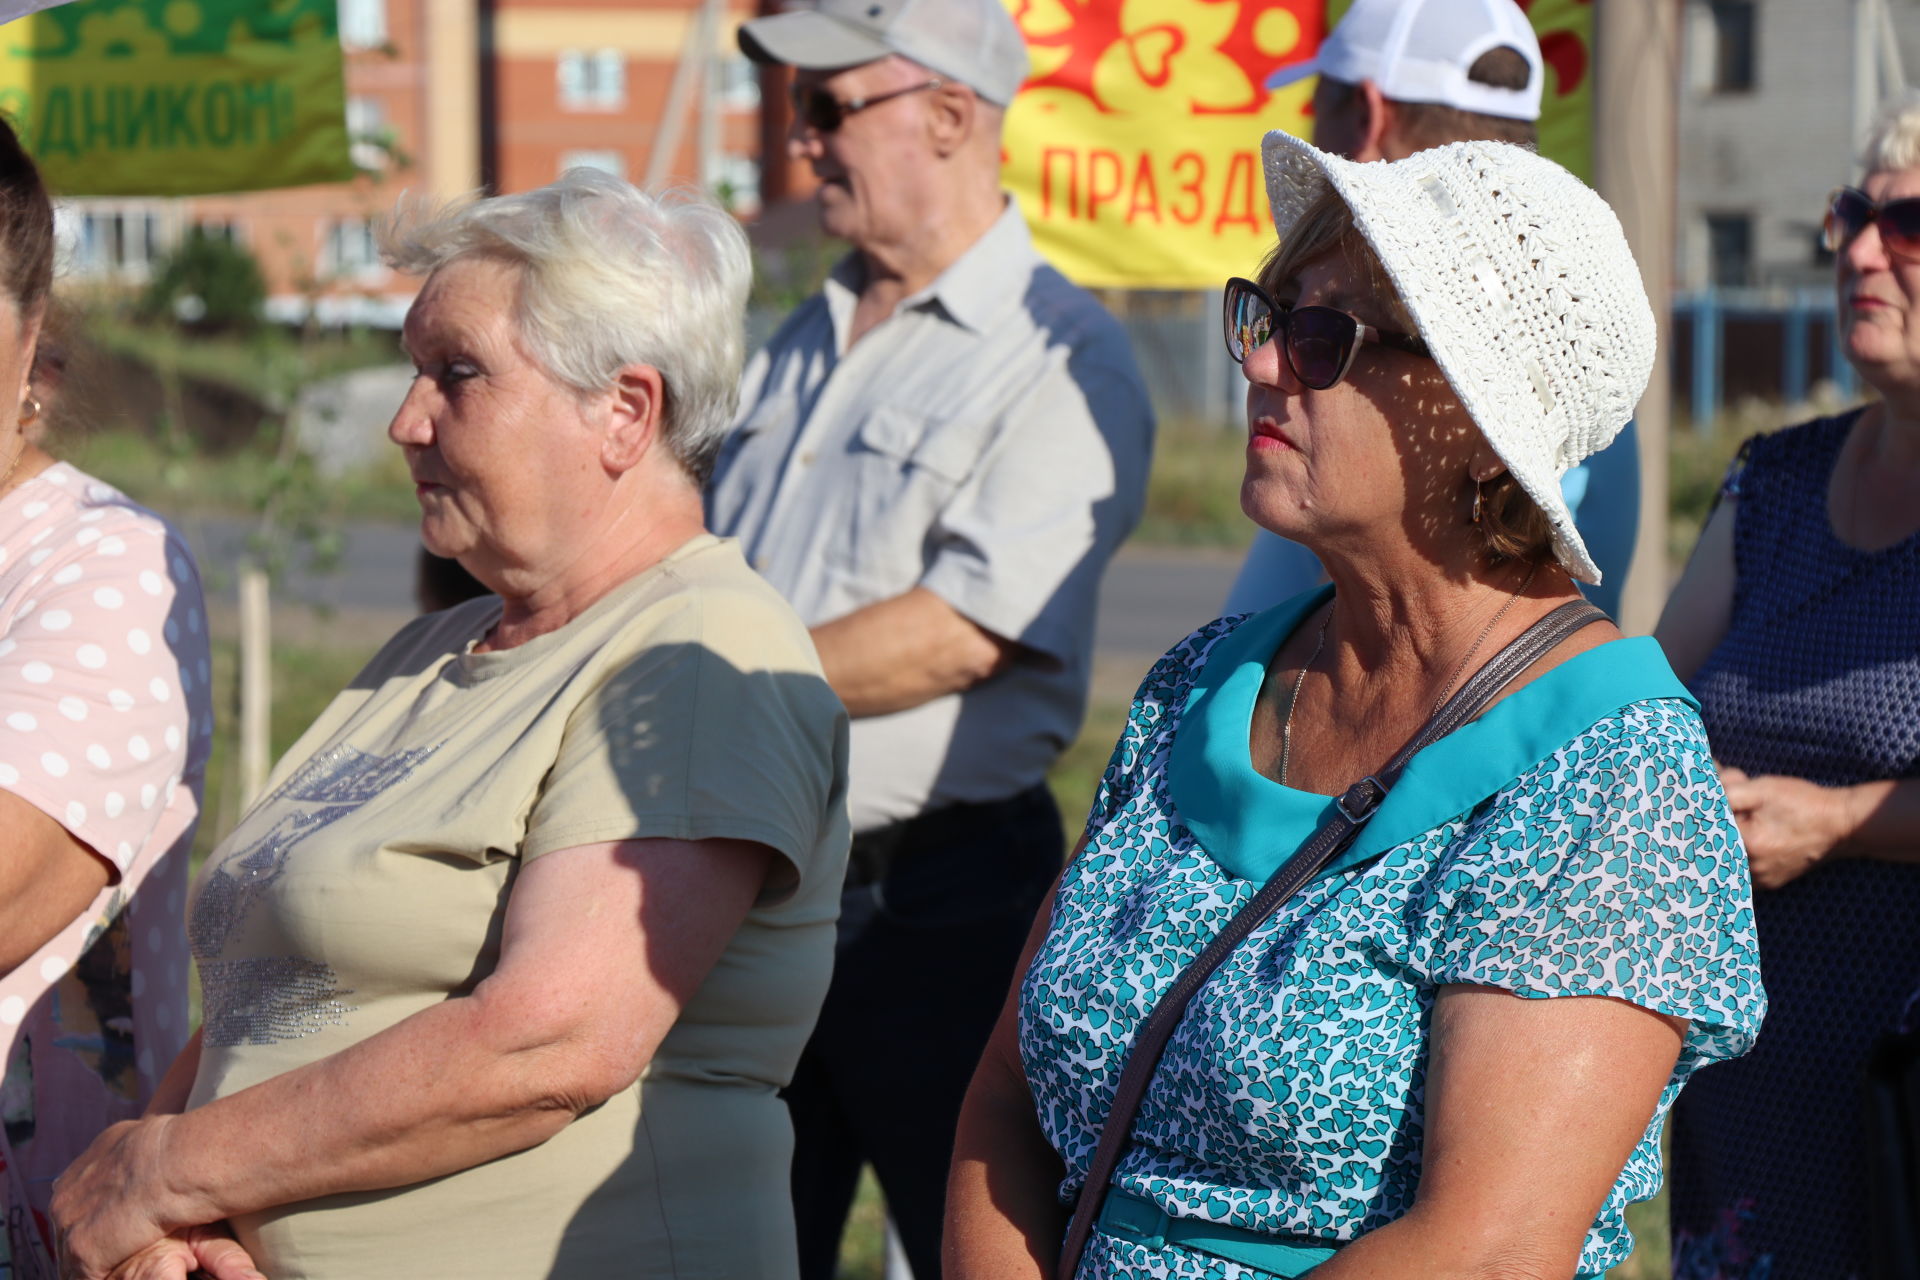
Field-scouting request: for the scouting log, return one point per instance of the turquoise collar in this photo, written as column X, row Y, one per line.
column 1249, row 824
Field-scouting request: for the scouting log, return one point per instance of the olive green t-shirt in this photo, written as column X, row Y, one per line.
column 371, row 882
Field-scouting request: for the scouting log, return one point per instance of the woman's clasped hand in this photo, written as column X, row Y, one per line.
column 1790, row 825
column 117, row 1212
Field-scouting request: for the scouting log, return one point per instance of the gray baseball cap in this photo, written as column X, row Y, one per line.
column 972, row 41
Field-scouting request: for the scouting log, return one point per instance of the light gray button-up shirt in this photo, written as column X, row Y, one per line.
column 989, row 441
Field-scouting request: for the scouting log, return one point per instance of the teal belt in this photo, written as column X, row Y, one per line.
column 1136, row 1219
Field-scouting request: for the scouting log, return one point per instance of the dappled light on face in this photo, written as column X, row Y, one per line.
column 1387, row 442
column 1433, row 446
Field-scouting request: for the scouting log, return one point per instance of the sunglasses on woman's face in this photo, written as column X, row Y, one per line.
column 1850, row 209
column 824, row 113
column 1319, row 342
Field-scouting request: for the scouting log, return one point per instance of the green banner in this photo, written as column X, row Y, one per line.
column 178, row 97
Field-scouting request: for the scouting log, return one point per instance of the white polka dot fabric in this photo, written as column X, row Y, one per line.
column 105, row 722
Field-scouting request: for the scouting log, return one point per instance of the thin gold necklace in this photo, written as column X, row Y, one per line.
column 13, row 466
column 1481, row 639
column 1293, row 698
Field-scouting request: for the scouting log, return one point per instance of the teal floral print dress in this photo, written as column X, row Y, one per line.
column 1574, row 840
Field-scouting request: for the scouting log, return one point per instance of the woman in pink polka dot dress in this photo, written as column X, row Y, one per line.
column 107, row 720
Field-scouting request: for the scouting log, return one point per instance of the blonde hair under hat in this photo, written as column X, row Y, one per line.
column 1520, row 280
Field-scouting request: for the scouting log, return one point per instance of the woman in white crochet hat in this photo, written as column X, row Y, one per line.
column 1450, row 1052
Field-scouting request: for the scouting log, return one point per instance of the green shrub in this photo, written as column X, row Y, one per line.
column 209, row 283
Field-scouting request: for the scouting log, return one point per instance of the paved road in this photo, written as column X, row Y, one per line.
column 1152, row 598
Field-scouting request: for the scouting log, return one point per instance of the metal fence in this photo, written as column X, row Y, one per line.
column 1770, row 344
column 1728, row 344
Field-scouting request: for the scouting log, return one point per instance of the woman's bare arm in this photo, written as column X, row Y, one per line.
column 47, row 878
column 1532, row 1108
column 1004, row 1219
column 170, row 1097
column 1701, row 606
column 602, row 947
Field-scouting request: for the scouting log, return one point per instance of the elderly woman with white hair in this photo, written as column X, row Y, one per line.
column 504, row 973
column 1405, row 908
column 1797, row 625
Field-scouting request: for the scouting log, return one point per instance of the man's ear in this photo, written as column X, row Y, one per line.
column 1376, row 124
column 636, row 418
column 952, row 116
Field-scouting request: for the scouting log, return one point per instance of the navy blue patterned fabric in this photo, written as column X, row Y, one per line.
column 1818, row 677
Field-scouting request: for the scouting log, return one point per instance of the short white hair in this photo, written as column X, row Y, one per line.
column 609, row 276
column 1894, row 140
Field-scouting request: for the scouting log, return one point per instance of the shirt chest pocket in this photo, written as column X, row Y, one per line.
column 906, row 467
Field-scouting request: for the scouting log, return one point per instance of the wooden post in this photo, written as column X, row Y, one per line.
column 461, row 148
column 256, row 683
column 1635, row 149
column 695, row 64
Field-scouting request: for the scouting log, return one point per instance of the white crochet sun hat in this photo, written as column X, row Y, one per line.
column 1519, row 278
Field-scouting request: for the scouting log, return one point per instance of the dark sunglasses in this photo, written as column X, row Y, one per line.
column 1849, row 210
column 1320, row 342
column 824, row 113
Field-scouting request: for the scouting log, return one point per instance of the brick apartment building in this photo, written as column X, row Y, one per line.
column 444, row 96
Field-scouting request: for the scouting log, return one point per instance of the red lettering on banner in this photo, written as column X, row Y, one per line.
column 1146, row 194
column 1191, row 186
column 1239, row 178
column 1047, row 157
column 1099, row 193
column 1128, row 190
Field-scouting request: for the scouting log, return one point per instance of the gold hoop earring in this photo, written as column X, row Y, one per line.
column 1475, row 518
column 30, row 410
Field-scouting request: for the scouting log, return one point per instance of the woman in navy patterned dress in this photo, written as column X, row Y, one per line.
column 1797, row 626
column 1452, row 1052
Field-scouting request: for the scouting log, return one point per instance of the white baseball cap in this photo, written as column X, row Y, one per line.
column 1421, row 51
column 973, row 42
column 1520, row 281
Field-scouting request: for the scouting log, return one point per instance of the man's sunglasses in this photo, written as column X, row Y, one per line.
column 1319, row 342
column 824, row 113
column 1849, row 210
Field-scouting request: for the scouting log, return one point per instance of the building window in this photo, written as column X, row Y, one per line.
column 605, row 161
column 1725, row 54
column 736, row 183
column 120, row 244
column 739, row 82
column 351, row 249
column 367, row 138
column 363, row 23
column 592, row 80
column 1729, row 250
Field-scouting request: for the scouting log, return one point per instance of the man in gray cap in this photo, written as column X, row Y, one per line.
column 935, row 457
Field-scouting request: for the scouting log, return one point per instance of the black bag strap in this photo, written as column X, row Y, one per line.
column 1351, row 812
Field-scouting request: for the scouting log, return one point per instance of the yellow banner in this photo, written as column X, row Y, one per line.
column 1134, row 148
column 178, row 97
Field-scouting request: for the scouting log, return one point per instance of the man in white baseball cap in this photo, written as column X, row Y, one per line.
column 934, row 459
column 1397, row 77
